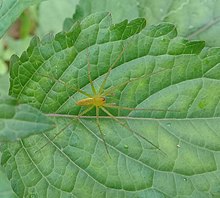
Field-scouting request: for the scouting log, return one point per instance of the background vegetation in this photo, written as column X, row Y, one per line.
column 195, row 172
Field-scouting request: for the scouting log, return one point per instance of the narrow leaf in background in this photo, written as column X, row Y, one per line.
column 18, row 121
column 10, row 10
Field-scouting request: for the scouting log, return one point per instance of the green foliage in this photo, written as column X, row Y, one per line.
column 10, row 10
column 162, row 71
column 52, row 13
column 4, row 81
column 4, row 56
column 20, row 120
column 194, row 19
column 5, row 190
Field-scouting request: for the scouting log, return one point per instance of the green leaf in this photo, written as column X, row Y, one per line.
column 194, row 19
column 4, row 82
column 10, row 10
column 5, row 186
column 158, row 71
column 55, row 14
column 128, row 9
column 20, row 120
column 120, row 10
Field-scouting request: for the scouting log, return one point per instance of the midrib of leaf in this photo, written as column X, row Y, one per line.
column 20, row 120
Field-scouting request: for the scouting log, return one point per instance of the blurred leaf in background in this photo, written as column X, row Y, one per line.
column 14, row 42
column 18, row 121
column 5, row 186
column 52, row 14
column 5, row 55
column 194, row 19
column 120, row 10
column 10, row 10
column 4, row 84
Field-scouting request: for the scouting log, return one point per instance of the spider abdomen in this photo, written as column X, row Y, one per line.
column 96, row 101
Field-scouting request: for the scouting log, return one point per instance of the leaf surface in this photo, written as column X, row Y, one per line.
column 5, row 186
column 20, row 120
column 175, row 79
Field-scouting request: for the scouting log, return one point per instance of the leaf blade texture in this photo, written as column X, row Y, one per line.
column 20, row 120
column 163, row 71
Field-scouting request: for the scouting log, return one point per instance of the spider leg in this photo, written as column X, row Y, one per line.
column 56, row 135
column 89, row 73
column 100, row 130
column 123, row 124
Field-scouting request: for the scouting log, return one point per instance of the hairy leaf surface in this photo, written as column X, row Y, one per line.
column 175, row 79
